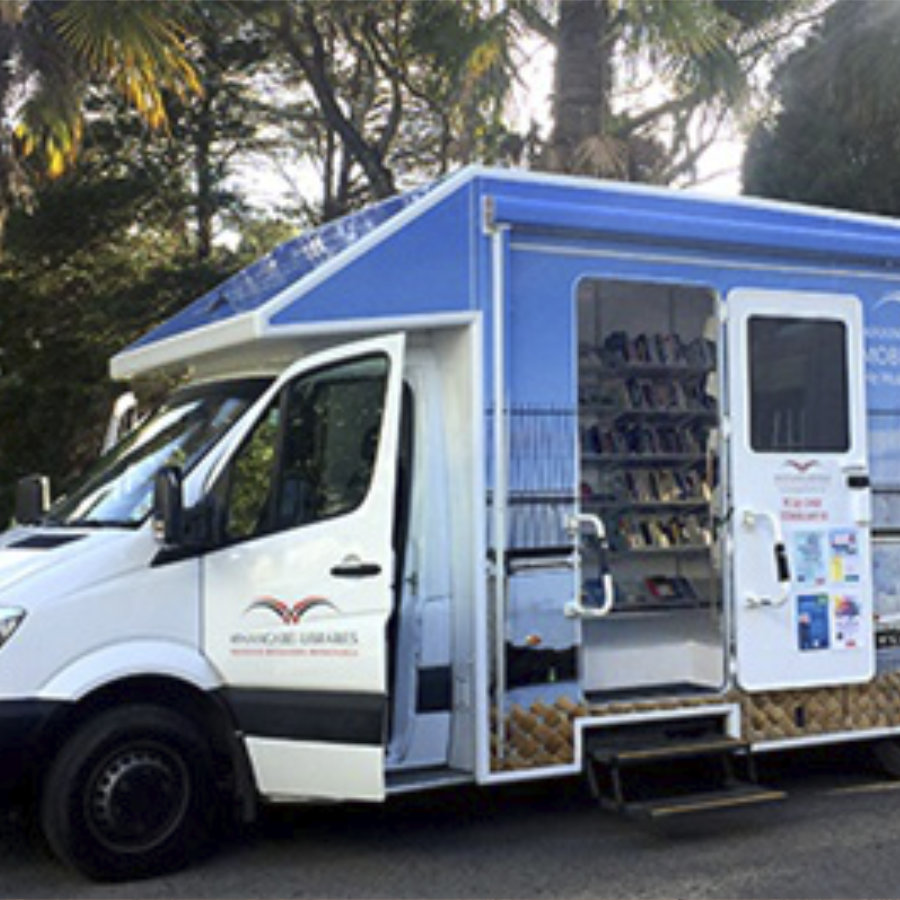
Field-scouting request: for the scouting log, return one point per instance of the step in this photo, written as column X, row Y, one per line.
column 406, row 781
column 733, row 796
column 703, row 745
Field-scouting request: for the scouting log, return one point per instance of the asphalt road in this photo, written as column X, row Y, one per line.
column 837, row 835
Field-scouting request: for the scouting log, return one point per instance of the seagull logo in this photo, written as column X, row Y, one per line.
column 290, row 614
column 801, row 467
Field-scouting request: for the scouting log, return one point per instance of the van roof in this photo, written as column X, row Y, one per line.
column 422, row 253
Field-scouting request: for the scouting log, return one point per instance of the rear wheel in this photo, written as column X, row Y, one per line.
column 130, row 795
column 887, row 753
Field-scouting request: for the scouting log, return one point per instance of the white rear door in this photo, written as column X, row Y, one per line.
column 800, row 490
column 297, row 598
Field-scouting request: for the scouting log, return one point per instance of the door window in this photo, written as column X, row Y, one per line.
column 312, row 455
column 798, row 385
column 252, row 477
column 331, row 431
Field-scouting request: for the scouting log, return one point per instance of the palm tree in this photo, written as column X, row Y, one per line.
column 703, row 54
column 52, row 51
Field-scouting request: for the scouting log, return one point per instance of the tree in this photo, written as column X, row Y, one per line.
column 233, row 116
column 94, row 263
column 699, row 57
column 410, row 88
column 51, row 50
column 386, row 91
column 835, row 136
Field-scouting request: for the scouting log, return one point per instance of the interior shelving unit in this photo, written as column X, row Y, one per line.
column 648, row 414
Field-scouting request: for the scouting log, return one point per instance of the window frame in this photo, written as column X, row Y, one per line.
column 752, row 368
column 222, row 489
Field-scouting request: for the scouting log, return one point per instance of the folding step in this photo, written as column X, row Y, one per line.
column 705, row 745
column 735, row 795
column 670, row 768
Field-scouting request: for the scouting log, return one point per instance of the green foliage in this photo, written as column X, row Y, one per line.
column 259, row 236
column 234, row 117
column 386, row 93
column 699, row 57
column 369, row 95
column 110, row 249
column 84, row 274
column 835, row 139
column 138, row 48
column 466, row 69
column 251, row 478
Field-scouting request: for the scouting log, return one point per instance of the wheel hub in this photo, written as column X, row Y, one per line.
column 137, row 797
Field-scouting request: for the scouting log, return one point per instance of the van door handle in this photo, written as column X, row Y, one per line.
column 355, row 568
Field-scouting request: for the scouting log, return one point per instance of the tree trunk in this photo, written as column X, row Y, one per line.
column 206, row 203
column 12, row 182
column 204, row 130
column 314, row 62
column 581, row 140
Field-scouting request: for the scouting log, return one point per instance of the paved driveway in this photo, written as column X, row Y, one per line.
column 837, row 835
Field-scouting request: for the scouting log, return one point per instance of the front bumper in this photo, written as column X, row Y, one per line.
column 23, row 732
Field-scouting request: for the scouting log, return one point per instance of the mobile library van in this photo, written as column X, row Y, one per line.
column 510, row 477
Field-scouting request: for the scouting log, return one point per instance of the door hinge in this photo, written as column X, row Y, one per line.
column 463, row 693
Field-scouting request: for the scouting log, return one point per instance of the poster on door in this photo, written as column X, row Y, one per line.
column 847, row 622
column 844, row 555
column 826, row 568
column 809, row 558
column 813, row 622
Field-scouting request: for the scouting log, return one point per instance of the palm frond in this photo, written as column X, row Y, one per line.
column 50, row 129
column 141, row 47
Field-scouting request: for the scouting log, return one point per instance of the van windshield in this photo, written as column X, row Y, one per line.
column 118, row 491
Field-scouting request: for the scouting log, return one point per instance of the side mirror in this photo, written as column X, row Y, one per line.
column 122, row 419
column 168, row 506
column 32, row 499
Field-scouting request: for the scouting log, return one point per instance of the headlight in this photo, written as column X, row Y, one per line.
column 10, row 619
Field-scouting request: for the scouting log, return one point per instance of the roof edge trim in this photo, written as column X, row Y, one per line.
column 706, row 198
column 182, row 347
column 413, row 322
column 542, row 216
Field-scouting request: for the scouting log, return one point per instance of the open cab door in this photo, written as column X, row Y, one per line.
column 801, row 505
column 300, row 588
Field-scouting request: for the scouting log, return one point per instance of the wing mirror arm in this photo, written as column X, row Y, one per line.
column 168, row 507
column 186, row 530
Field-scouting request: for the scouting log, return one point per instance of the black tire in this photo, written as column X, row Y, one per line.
column 130, row 795
column 887, row 754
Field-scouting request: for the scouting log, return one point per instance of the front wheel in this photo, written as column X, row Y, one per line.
column 130, row 795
